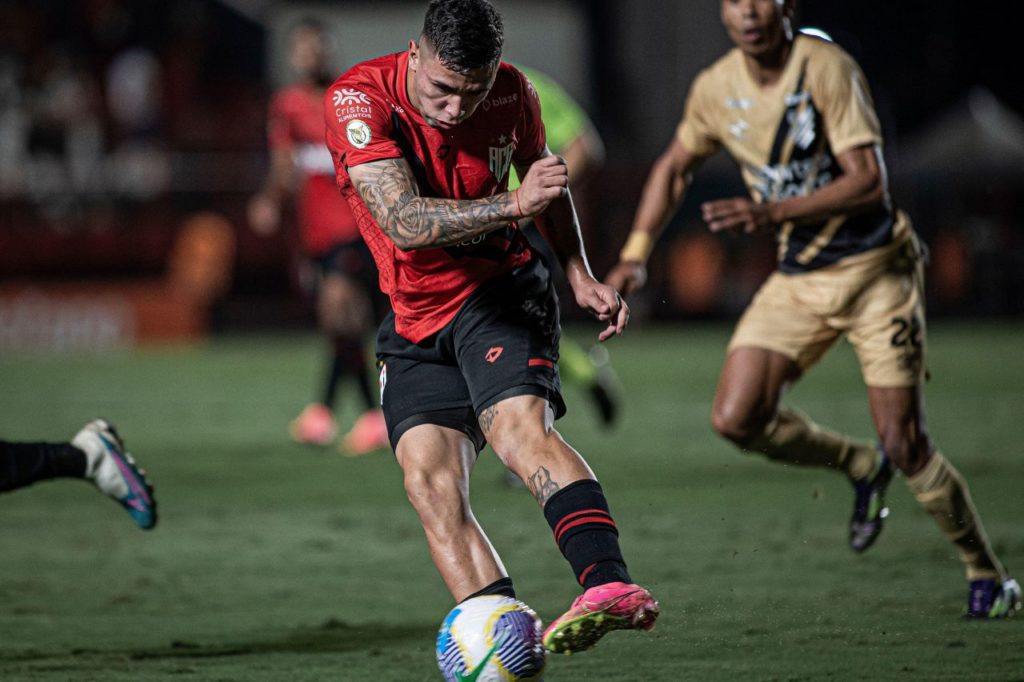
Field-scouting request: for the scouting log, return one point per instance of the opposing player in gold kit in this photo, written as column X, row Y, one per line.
column 796, row 114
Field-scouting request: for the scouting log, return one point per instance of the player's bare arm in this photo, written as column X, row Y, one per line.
column 264, row 210
column 584, row 155
column 414, row 222
column 560, row 226
column 862, row 186
column 663, row 192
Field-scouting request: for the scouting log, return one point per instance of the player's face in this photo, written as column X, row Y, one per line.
column 444, row 97
column 757, row 27
column 308, row 52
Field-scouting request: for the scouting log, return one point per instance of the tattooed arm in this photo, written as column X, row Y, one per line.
column 414, row 222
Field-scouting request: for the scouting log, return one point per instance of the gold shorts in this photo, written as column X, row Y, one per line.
column 876, row 299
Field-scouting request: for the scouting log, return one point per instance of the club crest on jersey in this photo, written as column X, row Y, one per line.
column 801, row 127
column 500, row 158
column 350, row 97
column 358, row 133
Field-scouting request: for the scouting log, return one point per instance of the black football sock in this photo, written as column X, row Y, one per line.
column 356, row 367
column 334, row 374
column 585, row 532
column 502, row 586
column 348, row 359
column 22, row 464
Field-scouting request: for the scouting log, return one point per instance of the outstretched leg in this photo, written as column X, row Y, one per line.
column 747, row 411
column 22, row 464
column 436, row 462
column 96, row 454
column 521, row 431
column 939, row 488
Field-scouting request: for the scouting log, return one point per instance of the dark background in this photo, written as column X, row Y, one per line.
column 943, row 75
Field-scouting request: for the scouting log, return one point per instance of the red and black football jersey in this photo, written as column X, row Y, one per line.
column 369, row 118
column 295, row 123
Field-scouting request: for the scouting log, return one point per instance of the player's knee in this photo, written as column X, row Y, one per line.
column 509, row 442
column 739, row 426
column 512, row 438
column 429, row 492
column 907, row 448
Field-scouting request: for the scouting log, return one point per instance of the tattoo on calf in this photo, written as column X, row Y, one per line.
column 541, row 485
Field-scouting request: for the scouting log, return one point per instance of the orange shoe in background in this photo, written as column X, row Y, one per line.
column 314, row 426
column 369, row 433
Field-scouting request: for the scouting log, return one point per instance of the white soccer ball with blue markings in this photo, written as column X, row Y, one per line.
column 491, row 639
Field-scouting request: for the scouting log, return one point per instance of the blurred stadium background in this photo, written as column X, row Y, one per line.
column 132, row 136
column 122, row 121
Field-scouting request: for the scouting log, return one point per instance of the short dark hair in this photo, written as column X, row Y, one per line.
column 464, row 34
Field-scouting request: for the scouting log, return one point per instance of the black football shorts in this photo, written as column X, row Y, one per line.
column 502, row 343
column 352, row 259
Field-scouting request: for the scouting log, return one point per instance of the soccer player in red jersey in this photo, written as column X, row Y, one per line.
column 329, row 237
column 423, row 141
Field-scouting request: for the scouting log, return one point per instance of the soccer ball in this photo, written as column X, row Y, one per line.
column 491, row 639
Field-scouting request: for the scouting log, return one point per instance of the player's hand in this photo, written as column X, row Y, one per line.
column 739, row 215
column 604, row 303
column 264, row 214
column 546, row 180
column 626, row 277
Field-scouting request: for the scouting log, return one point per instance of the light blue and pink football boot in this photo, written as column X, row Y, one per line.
column 114, row 471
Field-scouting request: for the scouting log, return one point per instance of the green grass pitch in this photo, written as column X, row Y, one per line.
column 277, row 562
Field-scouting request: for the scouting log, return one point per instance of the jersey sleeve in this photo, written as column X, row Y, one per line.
column 358, row 125
column 530, row 133
column 696, row 131
column 841, row 93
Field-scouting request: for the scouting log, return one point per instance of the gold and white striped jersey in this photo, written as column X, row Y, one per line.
column 786, row 137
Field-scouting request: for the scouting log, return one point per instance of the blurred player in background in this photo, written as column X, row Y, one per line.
column 329, row 237
column 96, row 454
column 572, row 135
column 796, row 113
column 423, row 142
